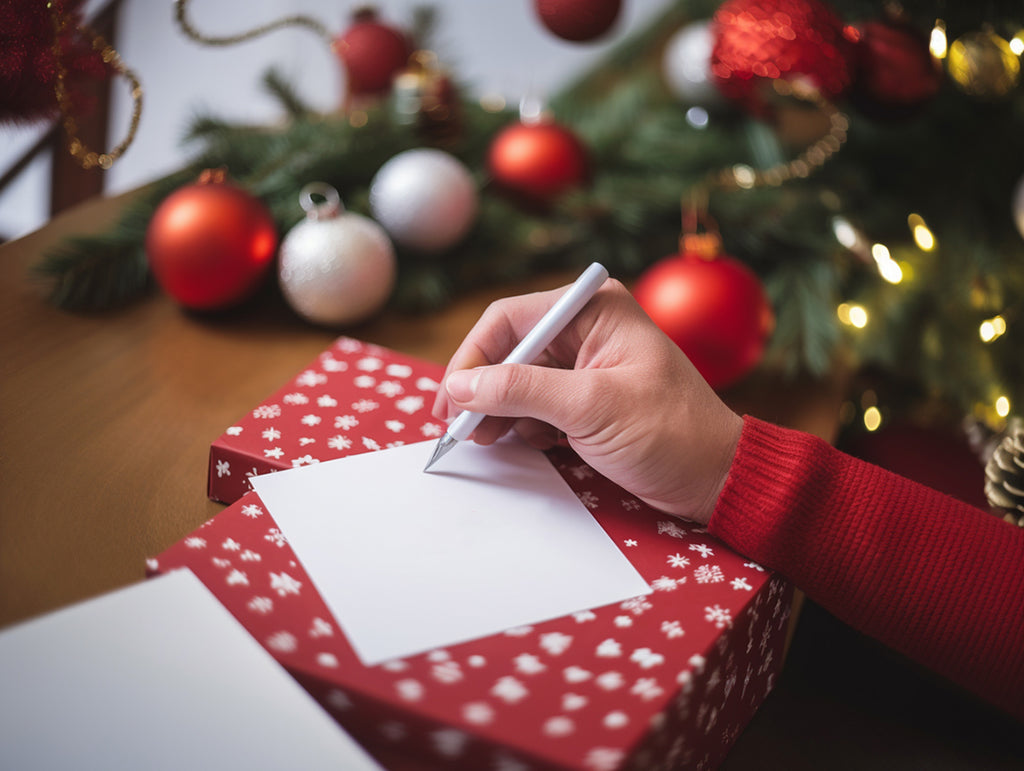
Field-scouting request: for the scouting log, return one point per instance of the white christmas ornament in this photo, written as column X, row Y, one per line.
column 426, row 199
column 335, row 267
column 686, row 64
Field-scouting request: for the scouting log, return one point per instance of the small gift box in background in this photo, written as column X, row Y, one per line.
column 664, row 680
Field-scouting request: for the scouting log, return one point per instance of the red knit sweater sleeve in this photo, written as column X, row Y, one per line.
column 933, row 578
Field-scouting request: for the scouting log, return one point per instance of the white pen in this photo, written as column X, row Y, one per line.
column 530, row 347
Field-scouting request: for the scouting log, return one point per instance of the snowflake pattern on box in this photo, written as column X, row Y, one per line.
column 355, row 397
column 666, row 680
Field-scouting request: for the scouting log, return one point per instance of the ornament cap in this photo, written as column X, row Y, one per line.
column 216, row 176
column 328, row 207
column 707, row 246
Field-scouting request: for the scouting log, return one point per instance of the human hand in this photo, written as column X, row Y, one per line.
column 626, row 397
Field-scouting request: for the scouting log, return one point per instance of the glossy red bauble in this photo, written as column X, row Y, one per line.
column 578, row 20
column 210, row 244
column 537, row 162
column 373, row 54
column 714, row 309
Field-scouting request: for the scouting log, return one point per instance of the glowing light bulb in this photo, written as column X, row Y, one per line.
column 1017, row 43
column 992, row 328
column 923, row 236
column 858, row 316
column 844, row 232
column 888, row 268
column 937, row 43
column 872, row 418
column 1002, row 406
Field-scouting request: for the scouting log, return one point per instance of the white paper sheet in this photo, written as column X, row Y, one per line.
column 157, row 676
column 408, row 561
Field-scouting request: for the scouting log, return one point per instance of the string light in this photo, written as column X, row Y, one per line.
column 1002, row 406
column 872, row 418
column 1017, row 43
column 992, row 328
column 923, row 236
column 937, row 44
column 888, row 268
column 852, row 315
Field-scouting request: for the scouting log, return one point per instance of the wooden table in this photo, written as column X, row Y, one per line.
column 106, row 421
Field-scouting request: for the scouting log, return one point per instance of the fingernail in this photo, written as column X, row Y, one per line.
column 461, row 385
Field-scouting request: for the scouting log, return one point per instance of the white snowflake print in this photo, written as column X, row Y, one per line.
column 647, row 688
column 630, row 504
column 394, row 425
column 296, row 398
column 615, row 719
column 555, row 643
column 629, row 542
column 666, row 584
column 233, row 431
column 346, row 422
column 672, row 629
column 306, row 440
column 223, row 469
column 267, row 411
column 609, row 649
column 304, row 460
column 560, row 725
column 588, row 499
column 395, row 665
column 431, row 430
column 348, row 345
column 369, row 364
column 449, row 742
column 410, row 690
column 410, row 404
column 333, row 365
column 327, row 660
column 528, row 664
column 237, row 578
column 326, row 400
column 573, row 701
column 518, row 631
column 282, row 642
column 321, row 628
column 623, row 622
column 719, row 616
column 261, row 605
column 339, row 700
column 284, row 584
column 603, row 759
column 219, row 562
column 646, row 658
column 310, row 420
column 250, row 556
column 447, row 672
column 311, row 378
column 438, row 655
column 478, row 713
column 370, row 444
column 741, row 584
column 392, row 445
column 398, row 370
column 672, row 529
column 274, row 452
column 509, row 689
column 339, row 442
column 426, row 384
column 195, row 542
column 583, row 616
column 610, row 681
column 271, row 434
column 230, row 544
column 678, row 561
column 276, row 537
column 581, row 472
column 365, row 405
column 476, row 661
column 753, row 566
column 576, row 674
column 390, row 388
column 703, row 549
column 636, row 605
column 364, row 381
column 708, row 574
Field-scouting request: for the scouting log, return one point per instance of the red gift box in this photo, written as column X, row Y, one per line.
column 666, row 680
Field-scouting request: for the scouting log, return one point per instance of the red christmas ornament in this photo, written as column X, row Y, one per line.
column 210, row 244
column 373, row 54
column 713, row 307
column 895, row 74
column 578, row 20
column 537, row 162
column 762, row 40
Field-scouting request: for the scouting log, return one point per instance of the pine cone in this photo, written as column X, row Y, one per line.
column 1004, row 475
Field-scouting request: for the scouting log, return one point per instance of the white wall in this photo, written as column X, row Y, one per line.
column 493, row 45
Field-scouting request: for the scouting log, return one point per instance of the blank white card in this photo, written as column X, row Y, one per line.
column 407, row 561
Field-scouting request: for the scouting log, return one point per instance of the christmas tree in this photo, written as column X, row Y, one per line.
column 864, row 160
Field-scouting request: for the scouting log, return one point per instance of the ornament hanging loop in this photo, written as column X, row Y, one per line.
column 327, row 207
column 700, row 235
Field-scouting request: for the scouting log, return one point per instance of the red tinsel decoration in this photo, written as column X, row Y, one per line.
column 29, row 65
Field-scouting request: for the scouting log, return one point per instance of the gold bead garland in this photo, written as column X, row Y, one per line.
column 180, row 14
column 90, row 159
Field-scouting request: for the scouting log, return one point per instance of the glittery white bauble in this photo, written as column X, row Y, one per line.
column 426, row 199
column 335, row 268
column 1018, row 207
column 686, row 64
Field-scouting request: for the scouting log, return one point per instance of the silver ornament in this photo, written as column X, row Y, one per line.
column 335, row 267
column 686, row 65
column 426, row 199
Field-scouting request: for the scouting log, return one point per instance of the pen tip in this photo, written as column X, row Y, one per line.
column 444, row 444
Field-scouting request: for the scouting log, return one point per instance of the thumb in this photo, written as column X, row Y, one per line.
column 516, row 391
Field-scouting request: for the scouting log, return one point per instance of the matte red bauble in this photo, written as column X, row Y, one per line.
column 578, row 20
column 715, row 309
column 762, row 40
column 537, row 162
column 372, row 53
column 895, row 74
column 210, row 244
